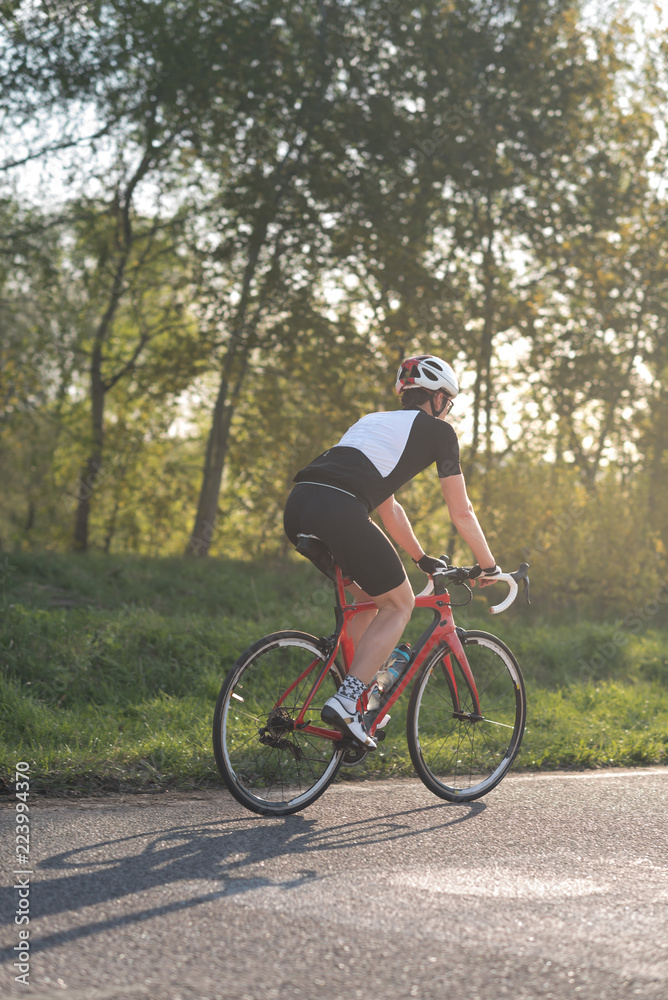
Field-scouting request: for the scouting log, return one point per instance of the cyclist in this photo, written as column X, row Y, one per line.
column 338, row 490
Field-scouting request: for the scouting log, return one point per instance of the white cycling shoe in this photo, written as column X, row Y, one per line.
column 335, row 713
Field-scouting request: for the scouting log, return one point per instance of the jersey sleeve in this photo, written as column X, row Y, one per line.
column 447, row 455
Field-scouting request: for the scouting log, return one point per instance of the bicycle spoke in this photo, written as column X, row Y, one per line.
column 491, row 722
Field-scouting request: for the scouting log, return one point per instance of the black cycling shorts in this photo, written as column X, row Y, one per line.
column 360, row 548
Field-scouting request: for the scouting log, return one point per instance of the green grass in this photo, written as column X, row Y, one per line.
column 110, row 668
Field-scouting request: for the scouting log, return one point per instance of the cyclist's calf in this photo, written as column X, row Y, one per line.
column 394, row 612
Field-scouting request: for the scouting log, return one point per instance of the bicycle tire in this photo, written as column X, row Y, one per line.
column 267, row 766
column 460, row 758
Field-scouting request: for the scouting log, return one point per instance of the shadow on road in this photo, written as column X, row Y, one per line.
column 228, row 852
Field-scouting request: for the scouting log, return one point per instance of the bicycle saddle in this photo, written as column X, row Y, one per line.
column 316, row 550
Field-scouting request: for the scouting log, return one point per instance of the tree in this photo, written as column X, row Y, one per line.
column 588, row 297
column 35, row 362
column 318, row 373
column 270, row 207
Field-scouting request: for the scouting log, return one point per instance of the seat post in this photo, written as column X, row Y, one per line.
column 339, row 589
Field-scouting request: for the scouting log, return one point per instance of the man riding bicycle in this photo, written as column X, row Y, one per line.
column 336, row 493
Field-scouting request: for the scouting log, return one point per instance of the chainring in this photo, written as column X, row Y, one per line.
column 354, row 754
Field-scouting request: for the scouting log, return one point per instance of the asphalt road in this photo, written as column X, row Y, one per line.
column 551, row 887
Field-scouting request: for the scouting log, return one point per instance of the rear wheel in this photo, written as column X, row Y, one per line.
column 267, row 764
column 457, row 753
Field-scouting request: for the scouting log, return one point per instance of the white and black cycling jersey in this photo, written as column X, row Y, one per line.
column 384, row 451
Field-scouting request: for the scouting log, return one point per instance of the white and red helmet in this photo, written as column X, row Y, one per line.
column 428, row 372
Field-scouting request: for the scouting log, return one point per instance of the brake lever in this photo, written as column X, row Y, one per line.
column 526, row 590
column 523, row 574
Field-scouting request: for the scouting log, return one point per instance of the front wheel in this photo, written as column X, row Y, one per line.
column 458, row 753
column 268, row 765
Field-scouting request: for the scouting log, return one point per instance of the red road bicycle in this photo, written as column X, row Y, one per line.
column 466, row 712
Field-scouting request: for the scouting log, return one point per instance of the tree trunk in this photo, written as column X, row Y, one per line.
column 30, row 517
column 111, row 527
column 482, row 401
column 657, row 471
column 216, row 448
column 93, row 468
column 214, row 463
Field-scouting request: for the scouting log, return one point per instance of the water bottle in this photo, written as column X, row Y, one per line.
column 388, row 675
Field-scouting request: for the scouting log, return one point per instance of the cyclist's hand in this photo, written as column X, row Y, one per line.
column 429, row 564
column 484, row 576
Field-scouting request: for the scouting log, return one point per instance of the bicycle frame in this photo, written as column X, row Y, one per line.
column 442, row 632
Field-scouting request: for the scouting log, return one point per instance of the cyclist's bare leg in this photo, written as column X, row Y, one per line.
column 382, row 631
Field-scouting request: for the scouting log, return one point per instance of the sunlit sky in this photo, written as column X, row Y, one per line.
column 651, row 12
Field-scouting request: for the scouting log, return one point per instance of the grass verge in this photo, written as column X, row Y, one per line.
column 110, row 668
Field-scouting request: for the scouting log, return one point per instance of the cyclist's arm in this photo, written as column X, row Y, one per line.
column 464, row 519
column 394, row 519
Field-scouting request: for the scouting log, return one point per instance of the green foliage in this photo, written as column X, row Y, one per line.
column 268, row 204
